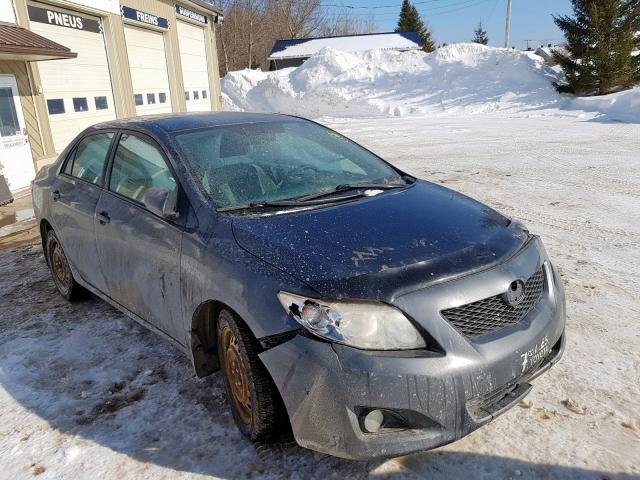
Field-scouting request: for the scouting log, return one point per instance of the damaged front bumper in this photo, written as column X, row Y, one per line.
column 427, row 398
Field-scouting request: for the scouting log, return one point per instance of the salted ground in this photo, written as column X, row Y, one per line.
column 86, row 393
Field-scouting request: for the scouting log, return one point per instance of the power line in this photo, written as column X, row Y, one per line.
column 458, row 9
column 493, row 9
column 431, row 12
column 377, row 7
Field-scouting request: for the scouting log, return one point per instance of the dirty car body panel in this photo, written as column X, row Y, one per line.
column 454, row 268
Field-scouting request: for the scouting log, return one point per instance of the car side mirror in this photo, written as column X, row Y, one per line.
column 162, row 202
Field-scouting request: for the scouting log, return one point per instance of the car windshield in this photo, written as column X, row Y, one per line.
column 239, row 165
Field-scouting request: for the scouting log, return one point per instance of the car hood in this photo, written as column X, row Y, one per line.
column 383, row 246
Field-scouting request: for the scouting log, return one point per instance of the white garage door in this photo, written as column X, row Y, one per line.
column 78, row 90
column 193, row 56
column 148, row 64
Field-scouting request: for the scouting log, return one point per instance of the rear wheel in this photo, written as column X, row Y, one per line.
column 255, row 402
column 60, row 269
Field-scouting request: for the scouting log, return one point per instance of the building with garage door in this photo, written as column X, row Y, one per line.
column 293, row 53
column 65, row 65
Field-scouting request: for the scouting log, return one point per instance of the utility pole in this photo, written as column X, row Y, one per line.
column 508, row 27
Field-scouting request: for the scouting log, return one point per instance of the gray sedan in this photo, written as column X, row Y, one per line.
column 369, row 312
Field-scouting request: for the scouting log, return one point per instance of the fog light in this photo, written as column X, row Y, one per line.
column 373, row 421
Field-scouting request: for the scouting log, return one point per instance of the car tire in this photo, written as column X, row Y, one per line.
column 255, row 402
column 60, row 269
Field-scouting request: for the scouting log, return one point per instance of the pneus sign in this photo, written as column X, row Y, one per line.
column 62, row 19
column 144, row 17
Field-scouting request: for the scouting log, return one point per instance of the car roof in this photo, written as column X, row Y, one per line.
column 175, row 122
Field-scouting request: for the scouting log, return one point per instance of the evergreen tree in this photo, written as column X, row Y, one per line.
column 410, row 21
column 601, row 36
column 480, row 35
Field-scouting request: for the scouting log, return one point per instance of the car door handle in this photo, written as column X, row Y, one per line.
column 56, row 195
column 103, row 218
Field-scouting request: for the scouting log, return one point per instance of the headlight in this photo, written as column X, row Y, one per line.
column 369, row 326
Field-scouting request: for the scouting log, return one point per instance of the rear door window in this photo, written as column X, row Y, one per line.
column 87, row 163
column 138, row 166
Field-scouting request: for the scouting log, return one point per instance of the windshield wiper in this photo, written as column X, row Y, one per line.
column 287, row 203
column 318, row 198
column 355, row 186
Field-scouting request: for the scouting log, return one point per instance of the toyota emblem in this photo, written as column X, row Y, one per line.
column 514, row 294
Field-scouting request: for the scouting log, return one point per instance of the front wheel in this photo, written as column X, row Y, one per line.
column 60, row 269
column 255, row 403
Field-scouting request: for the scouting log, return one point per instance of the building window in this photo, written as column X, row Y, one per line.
column 138, row 99
column 80, row 104
column 101, row 103
column 204, row 94
column 55, row 106
column 9, row 124
column 162, row 97
column 151, row 98
column 186, row 95
column 196, row 95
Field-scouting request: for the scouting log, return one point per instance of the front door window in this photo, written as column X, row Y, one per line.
column 9, row 125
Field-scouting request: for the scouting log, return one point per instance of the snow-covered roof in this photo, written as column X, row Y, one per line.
column 547, row 53
column 305, row 47
column 544, row 52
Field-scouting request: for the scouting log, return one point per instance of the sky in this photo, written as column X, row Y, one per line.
column 455, row 20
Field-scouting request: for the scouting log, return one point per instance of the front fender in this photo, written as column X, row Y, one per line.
column 216, row 268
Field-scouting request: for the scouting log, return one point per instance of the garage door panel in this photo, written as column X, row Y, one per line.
column 195, row 70
column 85, row 77
column 148, row 65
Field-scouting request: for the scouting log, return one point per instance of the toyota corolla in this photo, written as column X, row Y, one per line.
column 370, row 312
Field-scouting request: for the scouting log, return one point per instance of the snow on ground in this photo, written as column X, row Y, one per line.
column 466, row 77
column 86, row 393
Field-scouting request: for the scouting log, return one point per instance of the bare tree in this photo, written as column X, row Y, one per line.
column 252, row 26
column 301, row 18
column 344, row 22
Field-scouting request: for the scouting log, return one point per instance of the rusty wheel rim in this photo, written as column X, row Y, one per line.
column 59, row 266
column 237, row 376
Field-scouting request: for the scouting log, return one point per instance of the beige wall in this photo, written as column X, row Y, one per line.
column 34, row 105
column 19, row 69
column 167, row 10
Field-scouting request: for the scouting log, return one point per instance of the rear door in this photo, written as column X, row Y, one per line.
column 138, row 251
column 75, row 194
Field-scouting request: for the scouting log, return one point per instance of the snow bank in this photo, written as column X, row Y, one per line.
column 463, row 77
column 616, row 107
column 468, row 77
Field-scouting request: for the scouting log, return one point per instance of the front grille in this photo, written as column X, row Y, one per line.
column 491, row 314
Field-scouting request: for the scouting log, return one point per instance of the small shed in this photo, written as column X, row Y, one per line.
column 293, row 53
column 547, row 53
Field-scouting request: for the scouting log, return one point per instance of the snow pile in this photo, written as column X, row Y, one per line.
column 462, row 77
column 617, row 107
